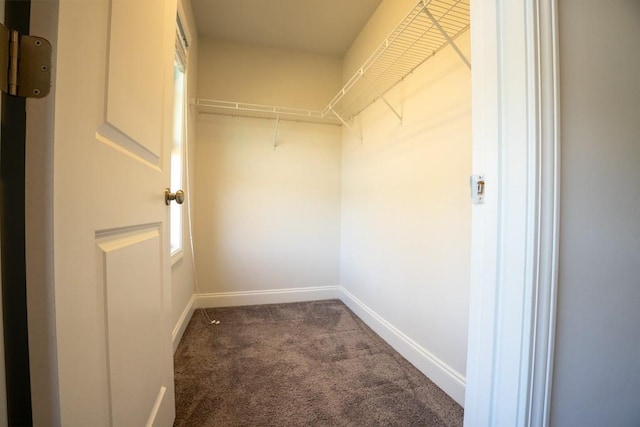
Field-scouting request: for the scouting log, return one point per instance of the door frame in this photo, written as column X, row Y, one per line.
column 39, row 233
column 514, row 237
column 515, row 233
column 16, row 407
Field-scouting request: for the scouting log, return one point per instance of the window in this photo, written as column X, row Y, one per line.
column 179, row 132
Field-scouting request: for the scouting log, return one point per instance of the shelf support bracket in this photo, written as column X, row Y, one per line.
column 346, row 124
column 398, row 115
column 381, row 96
column 275, row 137
column 446, row 36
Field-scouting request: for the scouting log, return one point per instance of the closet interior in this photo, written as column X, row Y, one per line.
column 321, row 176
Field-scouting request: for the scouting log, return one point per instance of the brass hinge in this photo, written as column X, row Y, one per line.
column 25, row 64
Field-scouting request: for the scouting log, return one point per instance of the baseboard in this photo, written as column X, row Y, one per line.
column 274, row 296
column 439, row 372
column 182, row 323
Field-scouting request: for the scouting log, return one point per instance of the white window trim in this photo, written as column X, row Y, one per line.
column 178, row 254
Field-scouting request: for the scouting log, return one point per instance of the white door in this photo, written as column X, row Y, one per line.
column 113, row 97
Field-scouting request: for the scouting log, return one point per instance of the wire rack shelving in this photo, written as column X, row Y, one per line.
column 429, row 27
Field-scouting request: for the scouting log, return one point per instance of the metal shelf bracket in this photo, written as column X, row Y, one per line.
column 275, row 137
column 450, row 41
column 347, row 125
column 398, row 115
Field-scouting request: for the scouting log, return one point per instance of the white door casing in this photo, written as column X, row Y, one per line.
column 515, row 233
column 113, row 121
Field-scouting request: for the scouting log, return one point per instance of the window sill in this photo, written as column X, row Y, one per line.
column 176, row 256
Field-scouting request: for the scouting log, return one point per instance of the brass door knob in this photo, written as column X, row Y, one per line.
column 178, row 196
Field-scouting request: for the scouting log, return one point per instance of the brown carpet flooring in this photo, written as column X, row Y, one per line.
column 300, row 364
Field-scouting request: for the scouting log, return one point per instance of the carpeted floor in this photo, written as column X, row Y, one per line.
column 300, row 364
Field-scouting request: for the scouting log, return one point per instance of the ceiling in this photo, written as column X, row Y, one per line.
column 326, row 27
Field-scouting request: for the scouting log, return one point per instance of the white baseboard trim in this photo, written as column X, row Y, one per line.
column 183, row 321
column 273, row 296
column 439, row 372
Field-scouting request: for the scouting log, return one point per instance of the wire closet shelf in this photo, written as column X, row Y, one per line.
column 258, row 111
column 428, row 28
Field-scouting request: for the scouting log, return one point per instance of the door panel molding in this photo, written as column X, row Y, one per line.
column 114, row 138
column 130, row 265
column 134, row 71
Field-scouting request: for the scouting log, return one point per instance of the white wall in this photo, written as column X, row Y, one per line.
column 380, row 25
column 266, row 219
column 597, row 360
column 182, row 274
column 260, row 75
column 406, row 214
